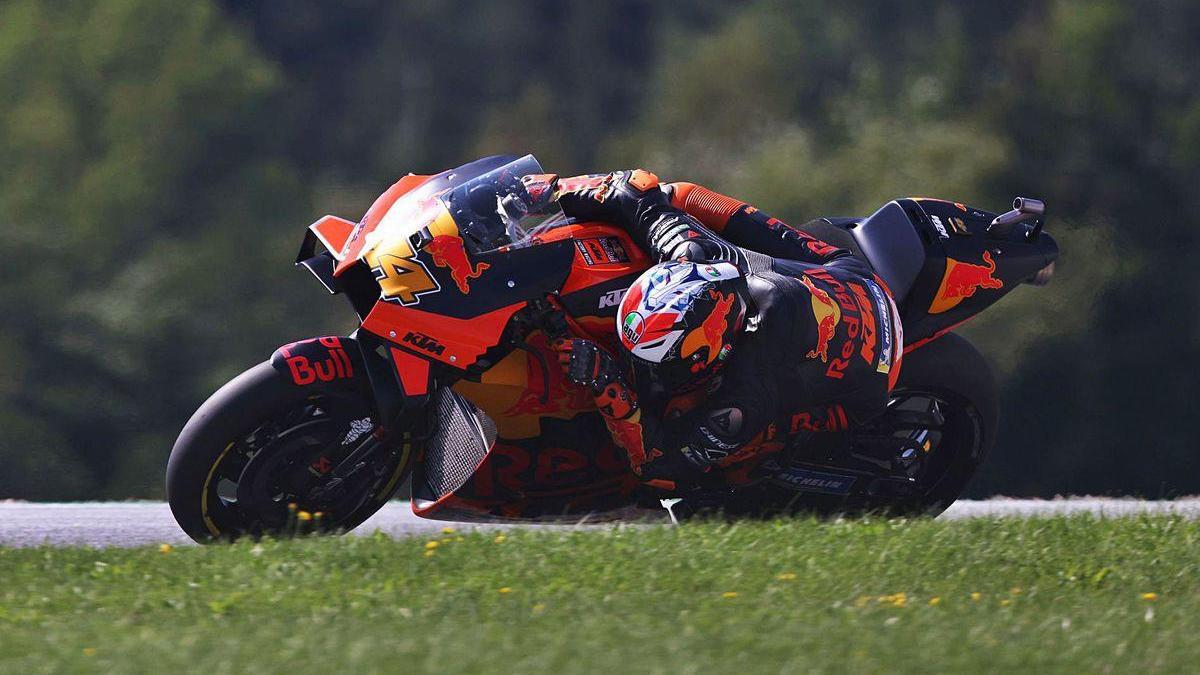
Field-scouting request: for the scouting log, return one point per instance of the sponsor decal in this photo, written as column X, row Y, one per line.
column 424, row 342
column 940, row 227
column 614, row 249
column 832, row 418
column 958, row 226
column 815, row 481
column 853, row 309
column 710, row 334
column 612, row 298
column 357, row 429
column 727, row 420
column 827, row 315
column 307, row 371
column 448, row 251
column 961, row 281
column 867, row 351
column 632, row 328
column 601, row 251
column 883, row 311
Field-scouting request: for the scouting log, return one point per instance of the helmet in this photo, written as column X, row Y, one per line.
column 678, row 322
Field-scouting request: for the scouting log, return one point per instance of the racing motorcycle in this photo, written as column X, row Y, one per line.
column 461, row 282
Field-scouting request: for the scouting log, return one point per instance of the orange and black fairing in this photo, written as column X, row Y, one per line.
column 570, row 469
column 967, row 268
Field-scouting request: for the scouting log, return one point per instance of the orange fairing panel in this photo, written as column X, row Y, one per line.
column 456, row 342
column 413, row 372
column 374, row 215
column 333, row 233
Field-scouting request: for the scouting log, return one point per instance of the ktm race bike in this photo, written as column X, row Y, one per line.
column 461, row 281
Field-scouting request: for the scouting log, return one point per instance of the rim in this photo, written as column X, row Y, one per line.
column 265, row 477
column 939, row 447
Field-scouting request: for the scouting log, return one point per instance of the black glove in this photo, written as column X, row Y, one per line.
column 622, row 197
column 588, row 365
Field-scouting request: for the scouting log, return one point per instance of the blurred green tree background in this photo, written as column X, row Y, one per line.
column 161, row 159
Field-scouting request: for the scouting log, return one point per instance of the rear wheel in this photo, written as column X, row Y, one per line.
column 948, row 380
column 940, row 425
column 254, row 460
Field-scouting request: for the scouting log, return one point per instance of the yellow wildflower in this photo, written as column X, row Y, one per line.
column 500, row 539
column 447, row 530
column 164, row 548
column 304, row 516
column 89, row 651
column 504, row 590
column 430, row 553
column 1150, row 596
column 786, row 576
column 976, row 596
column 1005, row 602
column 935, row 601
column 430, row 545
column 729, row 594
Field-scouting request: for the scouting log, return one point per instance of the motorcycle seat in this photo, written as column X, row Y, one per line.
column 887, row 240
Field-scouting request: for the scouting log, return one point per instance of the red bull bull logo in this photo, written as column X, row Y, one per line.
column 711, row 333
column 961, row 281
column 447, row 251
column 827, row 314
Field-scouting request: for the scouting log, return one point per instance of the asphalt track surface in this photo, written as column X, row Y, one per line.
column 101, row 524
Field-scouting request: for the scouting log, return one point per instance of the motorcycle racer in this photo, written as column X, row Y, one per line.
column 762, row 320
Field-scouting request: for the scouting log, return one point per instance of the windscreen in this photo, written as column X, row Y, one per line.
column 504, row 207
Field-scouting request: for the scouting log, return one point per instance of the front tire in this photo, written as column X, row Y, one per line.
column 247, row 461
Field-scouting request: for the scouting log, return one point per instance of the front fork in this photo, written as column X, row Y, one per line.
column 360, row 364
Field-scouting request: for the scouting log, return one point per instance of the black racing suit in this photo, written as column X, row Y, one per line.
column 821, row 348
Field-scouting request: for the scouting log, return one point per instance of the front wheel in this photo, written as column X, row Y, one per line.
column 255, row 457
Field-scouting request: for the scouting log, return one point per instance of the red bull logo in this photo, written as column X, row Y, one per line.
column 447, row 251
column 711, row 333
column 827, row 314
column 962, row 280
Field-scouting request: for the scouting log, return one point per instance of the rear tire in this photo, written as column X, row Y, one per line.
column 952, row 370
column 207, row 451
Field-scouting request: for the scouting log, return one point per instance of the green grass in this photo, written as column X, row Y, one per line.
column 1053, row 595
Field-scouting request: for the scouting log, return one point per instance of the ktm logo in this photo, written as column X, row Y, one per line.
column 424, row 343
column 612, row 298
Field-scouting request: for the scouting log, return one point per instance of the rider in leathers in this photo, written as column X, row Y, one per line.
column 816, row 343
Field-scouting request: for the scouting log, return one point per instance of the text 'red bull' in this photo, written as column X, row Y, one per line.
column 307, row 371
column 447, row 251
column 962, row 280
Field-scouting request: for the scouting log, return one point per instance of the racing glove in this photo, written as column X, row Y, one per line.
column 634, row 200
column 594, row 369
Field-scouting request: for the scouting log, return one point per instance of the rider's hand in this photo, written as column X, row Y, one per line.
column 622, row 197
column 588, row 365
